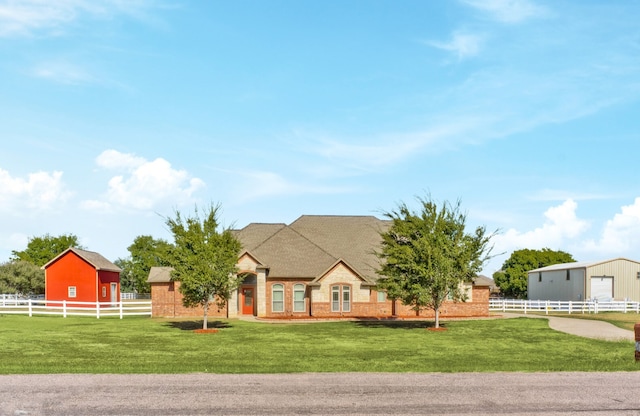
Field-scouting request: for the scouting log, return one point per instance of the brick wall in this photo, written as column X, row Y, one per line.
column 479, row 307
column 166, row 301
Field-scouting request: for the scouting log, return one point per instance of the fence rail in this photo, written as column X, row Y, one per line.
column 546, row 306
column 17, row 306
column 132, row 295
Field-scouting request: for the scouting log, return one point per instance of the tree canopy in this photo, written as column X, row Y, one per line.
column 145, row 253
column 512, row 278
column 204, row 259
column 427, row 255
column 21, row 277
column 41, row 250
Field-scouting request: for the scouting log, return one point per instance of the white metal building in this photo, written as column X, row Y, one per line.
column 617, row 279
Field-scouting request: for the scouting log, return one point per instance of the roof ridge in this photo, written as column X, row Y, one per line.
column 286, row 227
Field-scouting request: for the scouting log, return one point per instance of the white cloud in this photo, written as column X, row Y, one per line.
column 509, row 11
column 29, row 17
column 40, row 191
column 620, row 235
column 145, row 185
column 463, row 45
column 112, row 159
column 560, row 230
column 560, row 227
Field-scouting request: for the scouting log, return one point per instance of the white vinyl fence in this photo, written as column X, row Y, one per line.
column 546, row 306
column 132, row 295
column 11, row 304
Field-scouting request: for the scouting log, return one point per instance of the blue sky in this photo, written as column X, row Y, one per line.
column 116, row 113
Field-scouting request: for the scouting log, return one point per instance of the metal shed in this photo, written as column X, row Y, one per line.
column 605, row 280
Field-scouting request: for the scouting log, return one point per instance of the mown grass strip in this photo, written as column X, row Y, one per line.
column 143, row 345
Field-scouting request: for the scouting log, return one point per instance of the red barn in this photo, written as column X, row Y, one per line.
column 81, row 276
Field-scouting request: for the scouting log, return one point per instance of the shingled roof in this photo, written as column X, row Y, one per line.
column 95, row 259
column 309, row 246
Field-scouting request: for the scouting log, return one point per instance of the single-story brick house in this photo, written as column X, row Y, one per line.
column 317, row 266
column 77, row 275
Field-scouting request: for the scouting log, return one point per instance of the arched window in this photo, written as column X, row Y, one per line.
column 277, row 298
column 298, row 297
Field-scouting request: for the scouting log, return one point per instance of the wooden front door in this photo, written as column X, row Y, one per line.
column 247, row 300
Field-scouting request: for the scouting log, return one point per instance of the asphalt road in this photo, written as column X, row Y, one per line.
column 328, row 394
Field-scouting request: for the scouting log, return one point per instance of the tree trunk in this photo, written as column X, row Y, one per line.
column 204, row 320
column 437, row 311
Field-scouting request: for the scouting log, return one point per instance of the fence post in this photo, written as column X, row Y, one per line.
column 570, row 307
column 547, row 308
column 97, row 310
column 30, row 309
column 64, row 308
column 120, row 308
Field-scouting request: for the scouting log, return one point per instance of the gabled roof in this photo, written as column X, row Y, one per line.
column 288, row 254
column 577, row 265
column 160, row 274
column 312, row 244
column 95, row 259
column 255, row 234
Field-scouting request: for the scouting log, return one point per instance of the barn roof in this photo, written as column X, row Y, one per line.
column 95, row 259
column 576, row 265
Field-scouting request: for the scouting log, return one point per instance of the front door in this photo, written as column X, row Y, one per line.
column 247, row 300
column 114, row 293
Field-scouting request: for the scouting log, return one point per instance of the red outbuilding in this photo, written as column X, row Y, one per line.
column 81, row 276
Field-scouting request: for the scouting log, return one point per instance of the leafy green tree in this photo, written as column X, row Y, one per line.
column 204, row 259
column 41, row 250
column 21, row 277
column 145, row 253
column 512, row 278
column 428, row 255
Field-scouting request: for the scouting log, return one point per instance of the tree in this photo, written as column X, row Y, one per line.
column 427, row 255
column 512, row 278
column 41, row 250
column 21, row 277
column 204, row 259
column 145, row 253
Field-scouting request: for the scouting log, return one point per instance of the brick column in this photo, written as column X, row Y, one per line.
column 261, row 291
column 232, row 305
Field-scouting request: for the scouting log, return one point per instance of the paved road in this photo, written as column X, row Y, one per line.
column 329, row 394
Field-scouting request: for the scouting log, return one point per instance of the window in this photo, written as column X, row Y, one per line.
column 335, row 299
column 346, row 299
column 71, row 291
column 340, row 298
column 539, row 276
column 104, row 291
column 382, row 296
column 298, row 298
column 277, row 298
column 568, row 275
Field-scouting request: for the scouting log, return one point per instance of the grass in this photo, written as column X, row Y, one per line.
column 143, row 345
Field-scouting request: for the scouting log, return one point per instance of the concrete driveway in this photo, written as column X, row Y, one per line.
column 587, row 328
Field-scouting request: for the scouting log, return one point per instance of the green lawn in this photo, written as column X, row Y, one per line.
column 144, row 345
